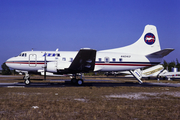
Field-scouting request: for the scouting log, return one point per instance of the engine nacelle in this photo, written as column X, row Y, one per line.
column 63, row 64
column 52, row 67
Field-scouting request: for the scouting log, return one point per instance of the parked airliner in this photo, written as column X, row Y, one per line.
column 154, row 72
column 146, row 51
column 170, row 75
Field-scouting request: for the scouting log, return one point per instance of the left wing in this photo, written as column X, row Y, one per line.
column 83, row 62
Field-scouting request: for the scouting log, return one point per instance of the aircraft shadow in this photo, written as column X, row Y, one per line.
column 97, row 84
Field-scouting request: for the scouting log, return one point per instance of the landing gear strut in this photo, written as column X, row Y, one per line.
column 76, row 81
column 27, row 79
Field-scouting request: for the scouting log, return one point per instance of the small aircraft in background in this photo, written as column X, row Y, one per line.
column 154, row 72
column 157, row 71
column 170, row 75
column 146, row 51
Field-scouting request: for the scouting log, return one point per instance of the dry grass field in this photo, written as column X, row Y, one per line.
column 89, row 102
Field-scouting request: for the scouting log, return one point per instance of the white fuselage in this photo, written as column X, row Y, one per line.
column 59, row 60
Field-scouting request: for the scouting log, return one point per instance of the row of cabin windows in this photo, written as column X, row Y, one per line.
column 52, row 54
column 64, row 59
column 71, row 59
column 100, row 59
column 107, row 59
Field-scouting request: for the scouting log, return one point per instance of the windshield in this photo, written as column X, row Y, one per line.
column 23, row 54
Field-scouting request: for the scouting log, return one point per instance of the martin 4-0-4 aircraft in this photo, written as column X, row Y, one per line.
column 144, row 52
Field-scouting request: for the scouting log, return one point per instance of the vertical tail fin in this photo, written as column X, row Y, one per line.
column 148, row 43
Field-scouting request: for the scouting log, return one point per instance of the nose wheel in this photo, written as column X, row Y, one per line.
column 27, row 82
column 27, row 79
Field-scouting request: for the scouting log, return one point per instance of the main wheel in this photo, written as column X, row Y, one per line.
column 80, row 82
column 73, row 80
column 27, row 82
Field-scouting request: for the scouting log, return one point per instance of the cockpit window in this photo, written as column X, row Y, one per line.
column 23, row 55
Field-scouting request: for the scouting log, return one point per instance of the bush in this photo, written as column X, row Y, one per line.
column 5, row 69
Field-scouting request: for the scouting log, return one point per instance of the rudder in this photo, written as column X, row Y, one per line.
column 148, row 43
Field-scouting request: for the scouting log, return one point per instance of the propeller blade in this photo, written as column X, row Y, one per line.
column 45, row 67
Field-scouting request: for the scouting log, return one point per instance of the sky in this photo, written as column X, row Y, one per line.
column 73, row 24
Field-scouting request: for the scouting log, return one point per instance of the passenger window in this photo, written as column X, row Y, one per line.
column 71, row 59
column 114, row 59
column 120, row 59
column 64, row 59
column 45, row 54
column 106, row 59
column 49, row 54
column 100, row 59
column 54, row 55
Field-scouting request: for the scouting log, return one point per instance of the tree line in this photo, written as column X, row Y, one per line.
column 5, row 69
column 173, row 64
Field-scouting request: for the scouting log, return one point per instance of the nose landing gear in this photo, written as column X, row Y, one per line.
column 27, row 79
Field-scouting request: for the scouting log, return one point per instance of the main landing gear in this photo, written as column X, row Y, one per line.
column 76, row 81
column 27, row 79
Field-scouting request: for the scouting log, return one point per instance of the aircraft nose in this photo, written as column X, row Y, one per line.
column 9, row 62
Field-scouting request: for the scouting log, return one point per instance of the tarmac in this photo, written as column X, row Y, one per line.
column 95, row 83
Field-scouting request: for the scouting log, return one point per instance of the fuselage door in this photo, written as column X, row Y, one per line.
column 32, row 60
column 57, row 58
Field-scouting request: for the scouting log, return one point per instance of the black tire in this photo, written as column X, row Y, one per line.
column 73, row 80
column 80, row 82
column 27, row 82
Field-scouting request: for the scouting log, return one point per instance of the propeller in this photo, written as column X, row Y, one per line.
column 45, row 66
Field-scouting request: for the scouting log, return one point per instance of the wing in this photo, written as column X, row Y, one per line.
column 83, row 62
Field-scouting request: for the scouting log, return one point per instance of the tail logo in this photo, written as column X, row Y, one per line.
column 149, row 38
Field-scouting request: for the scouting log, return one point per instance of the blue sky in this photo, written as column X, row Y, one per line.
column 74, row 24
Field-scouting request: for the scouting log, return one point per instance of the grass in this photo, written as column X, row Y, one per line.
column 90, row 103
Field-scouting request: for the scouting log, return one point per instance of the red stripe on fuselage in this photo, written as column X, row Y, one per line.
column 115, row 64
column 26, row 62
column 109, row 64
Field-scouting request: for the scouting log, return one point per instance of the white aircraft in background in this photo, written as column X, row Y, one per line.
column 154, row 71
column 170, row 75
column 157, row 71
column 144, row 52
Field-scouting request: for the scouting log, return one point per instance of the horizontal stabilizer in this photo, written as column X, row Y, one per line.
column 161, row 53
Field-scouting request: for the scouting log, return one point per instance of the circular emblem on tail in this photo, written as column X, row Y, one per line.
column 149, row 38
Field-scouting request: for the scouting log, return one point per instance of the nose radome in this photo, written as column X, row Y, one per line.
column 8, row 62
